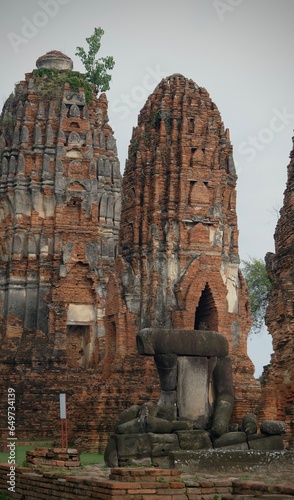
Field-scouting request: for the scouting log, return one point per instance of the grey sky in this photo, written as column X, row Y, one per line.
column 241, row 51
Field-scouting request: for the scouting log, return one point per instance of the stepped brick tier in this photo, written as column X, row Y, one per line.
column 179, row 263
column 53, row 457
column 60, row 195
column 278, row 377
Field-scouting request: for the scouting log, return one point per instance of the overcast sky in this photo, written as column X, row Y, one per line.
column 241, row 51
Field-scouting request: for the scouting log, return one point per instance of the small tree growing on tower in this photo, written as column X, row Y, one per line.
column 96, row 69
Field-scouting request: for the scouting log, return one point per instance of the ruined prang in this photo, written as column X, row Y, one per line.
column 278, row 376
column 178, row 266
column 75, row 290
column 59, row 210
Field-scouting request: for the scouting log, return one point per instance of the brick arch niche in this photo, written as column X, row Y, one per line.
column 206, row 316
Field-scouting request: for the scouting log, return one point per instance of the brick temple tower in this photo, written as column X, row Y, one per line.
column 60, row 210
column 278, row 377
column 179, row 262
column 60, row 205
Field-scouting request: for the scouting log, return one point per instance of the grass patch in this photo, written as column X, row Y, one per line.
column 51, row 81
column 20, row 455
column 91, row 459
column 86, row 458
column 3, row 496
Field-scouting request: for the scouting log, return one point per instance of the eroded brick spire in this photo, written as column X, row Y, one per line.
column 179, row 262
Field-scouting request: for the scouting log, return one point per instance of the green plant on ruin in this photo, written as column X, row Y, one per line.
column 96, row 69
column 50, row 83
column 147, row 138
column 165, row 116
column 156, row 118
column 161, row 479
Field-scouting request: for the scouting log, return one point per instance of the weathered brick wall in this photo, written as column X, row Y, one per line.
column 94, row 401
column 59, row 212
column 134, row 483
column 278, row 377
column 179, row 263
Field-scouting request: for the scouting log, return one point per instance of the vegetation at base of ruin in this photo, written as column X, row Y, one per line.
column 161, row 479
column 96, row 69
column 3, row 496
column 259, row 287
column 51, row 81
column 86, row 458
column 91, row 459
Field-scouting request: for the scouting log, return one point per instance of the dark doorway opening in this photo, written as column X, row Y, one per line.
column 206, row 317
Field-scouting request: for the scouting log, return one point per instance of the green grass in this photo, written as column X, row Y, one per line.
column 20, row 455
column 86, row 458
column 3, row 496
column 91, row 459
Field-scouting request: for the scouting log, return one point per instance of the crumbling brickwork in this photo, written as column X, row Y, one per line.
column 61, row 268
column 179, row 263
column 278, row 377
column 60, row 210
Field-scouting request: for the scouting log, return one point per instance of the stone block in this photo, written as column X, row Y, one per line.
column 213, row 461
column 222, row 377
column 206, row 343
column 110, row 454
column 249, row 424
column 167, row 405
column 131, row 427
column 237, row 446
column 230, row 438
column 154, row 424
column 129, row 414
column 162, row 444
column 192, row 392
column 265, row 442
column 194, row 440
column 161, row 461
column 167, row 369
column 273, row 427
column 133, row 446
column 182, row 425
column 222, row 414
